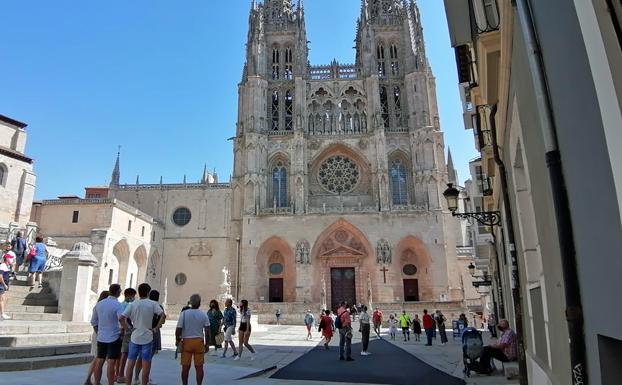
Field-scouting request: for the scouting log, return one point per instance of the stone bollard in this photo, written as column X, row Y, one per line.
column 75, row 287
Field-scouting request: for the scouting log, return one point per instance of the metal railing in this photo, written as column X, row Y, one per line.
column 333, row 71
column 485, row 16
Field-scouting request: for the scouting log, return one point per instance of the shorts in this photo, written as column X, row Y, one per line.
column 2, row 289
column 193, row 347
column 20, row 259
column 110, row 350
column 125, row 347
column 245, row 326
column 144, row 351
column 229, row 331
column 36, row 265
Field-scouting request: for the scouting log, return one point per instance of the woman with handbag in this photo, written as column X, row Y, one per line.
column 245, row 330
column 38, row 257
column 215, row 323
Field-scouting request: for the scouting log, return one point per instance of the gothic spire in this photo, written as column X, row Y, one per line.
column 116, row 172
column 452, row 174
column 205, row 177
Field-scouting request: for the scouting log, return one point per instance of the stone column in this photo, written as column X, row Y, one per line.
column 75, row 288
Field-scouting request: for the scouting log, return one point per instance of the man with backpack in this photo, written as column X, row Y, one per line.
column 19, row 247
column 344, row 324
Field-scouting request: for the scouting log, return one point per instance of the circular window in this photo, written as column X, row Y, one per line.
column 339, row 174
column 181, row 216
column 181, row 279
column 410, row 269
column 276, row 268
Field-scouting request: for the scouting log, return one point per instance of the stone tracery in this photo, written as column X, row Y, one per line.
column 339, row 174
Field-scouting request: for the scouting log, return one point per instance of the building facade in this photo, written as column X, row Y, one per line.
column 541, row 84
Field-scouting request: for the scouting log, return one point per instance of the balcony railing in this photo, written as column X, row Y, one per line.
column 485, row 16
column 333, row 71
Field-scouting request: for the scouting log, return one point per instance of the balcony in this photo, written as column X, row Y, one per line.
column 333, row 71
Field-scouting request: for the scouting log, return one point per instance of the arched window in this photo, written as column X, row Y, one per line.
column 399, row 182
column 289, row 110
column 380, row 57
column 289, row 68
column 3, row 175
column 384, row 105
column 275, row 110
column 279, row 185
column 276, row 58
column 395, row 67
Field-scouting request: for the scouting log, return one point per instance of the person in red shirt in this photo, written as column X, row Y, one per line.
column 377, row 319
column 345, row 332
column 428, row 325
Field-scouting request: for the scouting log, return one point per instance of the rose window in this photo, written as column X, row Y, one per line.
column 339, row 174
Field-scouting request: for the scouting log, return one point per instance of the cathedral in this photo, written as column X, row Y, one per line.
column 339, row 169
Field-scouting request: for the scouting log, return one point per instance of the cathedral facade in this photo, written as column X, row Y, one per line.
column 336, row 192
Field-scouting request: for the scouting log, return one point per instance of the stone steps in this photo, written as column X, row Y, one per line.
column 23, row 294
column 44, row 351
column 12, row 327
column 36, row 301
column 33, row 363
column 21, row 316
column 20, row 340
column 30, row 309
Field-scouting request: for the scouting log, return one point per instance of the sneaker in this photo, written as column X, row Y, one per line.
column 223, row 355
column 364, row 354
column 253, row 356
column 236, row 357
column 5, row 316
column 349, row 359
column 120, row 380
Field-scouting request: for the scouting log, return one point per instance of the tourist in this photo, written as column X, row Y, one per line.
column 215, row 321
column 365, row 330
column 345, row 332
column 440, row 322
column 417, row 328
column 229, row 321
column 244, row 330
column 278, row 316
column 309, row 322
column 141, row 314
column 105, row 321
column 492, row 325
column 405, row 325
column 10, row 257
column 193, row 334
column 154, row 295
column 377, row 318
column 428, row 324
column 505, row 350
column 37, row 263
column 353, row 312
column 102, row 296
column 5, row 270
column 392, row 326
column 462, row 318
column 20, row 248
column 129, row 295
column 327, row 328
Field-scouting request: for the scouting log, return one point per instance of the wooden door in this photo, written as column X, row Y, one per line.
column 342, row 286
column 276, row 290
column 411, row 290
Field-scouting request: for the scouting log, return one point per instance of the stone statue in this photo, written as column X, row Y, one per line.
column 302, row 252
column 369, row 293
column 323, row 293
column 383, row 252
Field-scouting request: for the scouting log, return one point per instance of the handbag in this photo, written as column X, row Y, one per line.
column 219, row 338
column 31, row 253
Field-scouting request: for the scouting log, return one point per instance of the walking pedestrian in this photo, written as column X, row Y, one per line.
column 417, row 328
column 19, row 247
column 462, row 318
column 10, row 257
column 129, row 295
column 492, row 325
column 309, row 322
column 405, row 325
column 365, row 325
column 193, row 334
column 345, row 332
column 105, row 322
column 37, row 263
column 440, row 322
column 154, row 295
column 245, row 330
column 229, row 321
column 393, row 322
column 102, row 296
column 141, row 314
column 428, row 324
column 377, row 318
column 278, row 316
column 327, row 328
column 4, row 287
column 215, row 324
column 353, row 312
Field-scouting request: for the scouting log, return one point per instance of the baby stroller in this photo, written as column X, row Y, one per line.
column 472, row 346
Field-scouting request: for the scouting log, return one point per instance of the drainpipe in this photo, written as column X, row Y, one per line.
column 574, row 308
column 509, row 223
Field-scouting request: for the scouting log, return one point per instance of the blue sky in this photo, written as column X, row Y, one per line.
column 159, row 78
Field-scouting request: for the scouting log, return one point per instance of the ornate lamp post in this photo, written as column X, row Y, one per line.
column 486, row 218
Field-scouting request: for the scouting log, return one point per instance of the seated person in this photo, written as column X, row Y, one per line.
column 504, row 350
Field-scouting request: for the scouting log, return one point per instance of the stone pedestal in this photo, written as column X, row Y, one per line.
column 75, row 287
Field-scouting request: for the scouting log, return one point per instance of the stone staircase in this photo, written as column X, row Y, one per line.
column 35, row 337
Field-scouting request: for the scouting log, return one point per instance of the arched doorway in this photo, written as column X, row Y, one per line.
column 121, row 251
column 140, row 263
column 276, row 278
column 414, row 264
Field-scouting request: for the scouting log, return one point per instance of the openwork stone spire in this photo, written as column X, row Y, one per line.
column 116, row 172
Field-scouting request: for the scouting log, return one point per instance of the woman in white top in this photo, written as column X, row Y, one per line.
column 365, row 329
column 245, row 330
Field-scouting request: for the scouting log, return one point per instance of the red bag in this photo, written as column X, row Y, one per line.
column 32, row 253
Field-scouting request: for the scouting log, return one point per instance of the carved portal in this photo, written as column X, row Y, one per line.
column 341, row 243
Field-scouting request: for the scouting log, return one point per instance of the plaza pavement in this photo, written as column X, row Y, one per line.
column 276, row 346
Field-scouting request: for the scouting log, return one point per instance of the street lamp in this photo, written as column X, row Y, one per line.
column 486, row 218
column 471, row 268
column 484, row 279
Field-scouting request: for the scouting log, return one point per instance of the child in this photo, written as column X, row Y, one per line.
column 10, row 256
column 417, row 327
column 392, row 326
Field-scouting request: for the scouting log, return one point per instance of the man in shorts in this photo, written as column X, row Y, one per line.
column 105, row 321
column 141, row 313
column 229, row 321
column 129, row 294
column 193, row 333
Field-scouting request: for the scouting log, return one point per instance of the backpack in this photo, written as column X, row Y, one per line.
column 472, row 343
column 338, row 321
